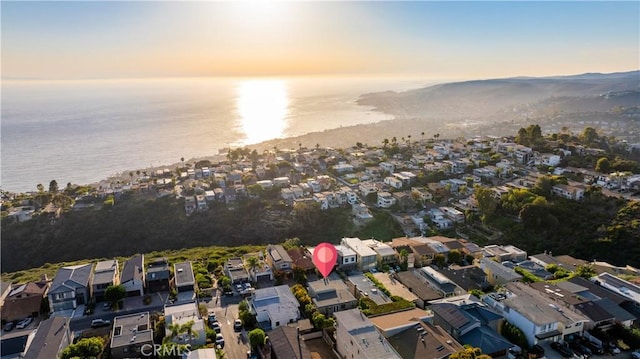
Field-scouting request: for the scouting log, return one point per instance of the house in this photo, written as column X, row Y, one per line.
column 468, row 277
column 419, row 254
column 538, row 319
column 437, row 217
column 391, row 324
column 347, row 258
column 360, row 286
column 274, row 306
column 286, row 342
column 105, row 274
column 357, row 337
column 301, row 259
column 343, row 167
column 133, row 278
column 453, row 214
column 393, row 182
column 331, row 295
column 158, row 276
column 498, row 274
column 261, row 272
column 180, row 314
column 423, row 340
column 361, row 214
column 625, row 310
column 396, row 288
column 234, row 269
column 72, row 286
column 384, row 252
column 281, row 182
column 185, row 282
column 421, row 194
column 439, row 282
column 473, row 324
column 265, row 184
column 202, row 353
column 190, row 205
column 505, row 253
column 130, row 335
column 365, row 257
column 201, row 203
column 24, row 300
column 367, row 188
column 619, row 286
column 404, row 200
column 385, row 200
column 575, row 193
column 387, row 167
column 50, row 339
column 278, row 258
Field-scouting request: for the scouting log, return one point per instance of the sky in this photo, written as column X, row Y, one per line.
column 123, row 39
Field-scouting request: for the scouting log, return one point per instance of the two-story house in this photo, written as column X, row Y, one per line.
column 72, row 286
column 365, row 257
column 357, row 337
column 158, row 276
column 278, row 258
column 133, row 276
column 331, row 295
column 106, row 274
column 274, row 306
column 184, row 281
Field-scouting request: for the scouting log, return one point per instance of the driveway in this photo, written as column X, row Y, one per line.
column 226, row 309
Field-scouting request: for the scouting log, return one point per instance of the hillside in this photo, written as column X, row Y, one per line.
column 482, row 98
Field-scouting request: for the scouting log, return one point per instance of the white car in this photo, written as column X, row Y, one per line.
column 220, row 340
column 636, row 354
column 24, row 323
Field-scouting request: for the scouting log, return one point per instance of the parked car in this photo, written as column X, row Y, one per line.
column 237, row 325
column 536, row 351
column 581, row 350
column 96, row 323
column 595, row 348
column 563, row 349
column 636, row 354
column 212, row 318
column 24, row 323
column 8, row 327
column 216, row 326
column 220, row 340
column 106, row 306
column 612, row 348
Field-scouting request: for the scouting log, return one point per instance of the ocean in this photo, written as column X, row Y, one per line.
column 85, row 131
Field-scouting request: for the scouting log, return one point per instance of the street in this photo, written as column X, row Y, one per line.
column 226, row 310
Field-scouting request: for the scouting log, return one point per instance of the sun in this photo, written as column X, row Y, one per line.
column 263, row 109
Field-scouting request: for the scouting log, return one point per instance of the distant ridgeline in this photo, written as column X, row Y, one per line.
column 570, row 193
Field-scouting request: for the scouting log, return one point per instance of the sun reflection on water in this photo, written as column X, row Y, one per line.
column 263, row 108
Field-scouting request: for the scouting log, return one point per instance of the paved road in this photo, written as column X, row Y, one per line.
column 226, row 309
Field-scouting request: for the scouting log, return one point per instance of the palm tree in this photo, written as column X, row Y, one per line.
column 187, row 328
column 182, row 160
column 252, row 264
column 422, row 134
column 175, row 329
column 408, row 138
column 40, row 187
column 385, row 142
column 394, row 140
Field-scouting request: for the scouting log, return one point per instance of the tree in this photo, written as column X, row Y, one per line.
column 256, row 338
column 187, row 328
column 252, row 263
column 174, row 328
column 291, row 243
column 487, row 203
column 585, row 271
column 40, row 187
column 84, row 348
column 455, row 256
column 589, row 135
column 603, row 165
column 385, row 143
column 543, row 186
column 53, row 186
column 114, row 294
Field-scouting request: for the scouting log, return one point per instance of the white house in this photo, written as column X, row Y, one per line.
column 274, row 306
column 539, row 320
column 393, row 182
column 387, row 166
column 453, row 214
column 365, row 256
column 385, row 200
column 357, row 337
column 179, row 315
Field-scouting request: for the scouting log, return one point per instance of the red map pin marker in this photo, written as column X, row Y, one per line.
column 324, row 257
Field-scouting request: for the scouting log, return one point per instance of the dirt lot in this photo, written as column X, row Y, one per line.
column 320, row 349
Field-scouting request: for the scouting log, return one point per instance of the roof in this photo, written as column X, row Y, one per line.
column 12, row 347
column 424, row 341
column 381, row 248
column 329, row 291
column 418, row 247
column 108, row 265
column 300, row 258
column 183, row 273
column 344, row 251
column 599, row 291
column 131, row 329
column 203, row 353
column 417, row 286
column 451, row 314
column 278, row 253
column 594, row 312
column 275, row 299
column 467, row 278
column 504, row 272
column 371, row 343
column 534, row 306
column 610, row 306
column 486, row 339
column 158, row 269
column 285, row 343
column 620, row 286
column 389, row 321
column 68, row 278
column 394, row 286
column 133, row 269
column 437, row 279
column 557, row 293
column 50, row 335
column 366, row 286
column 359, row 247
column 104, row 277
column 24, row 300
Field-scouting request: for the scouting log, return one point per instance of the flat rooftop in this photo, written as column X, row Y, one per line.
column 183, row 273
column 131, row 329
